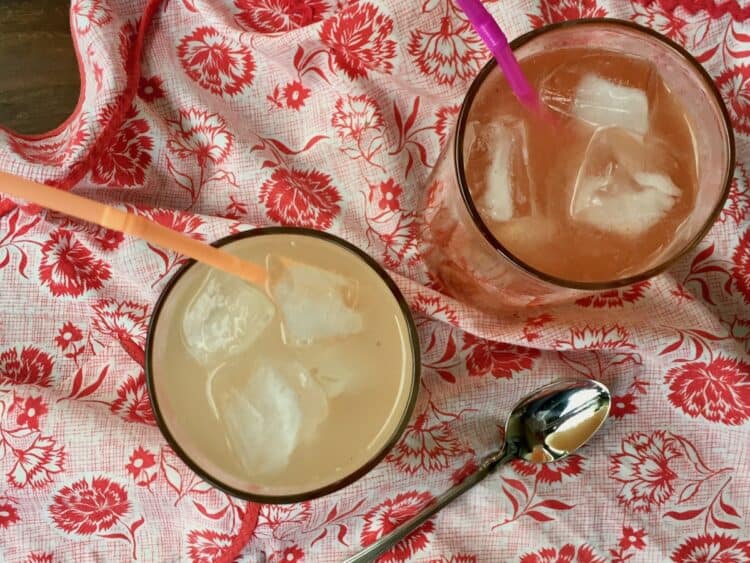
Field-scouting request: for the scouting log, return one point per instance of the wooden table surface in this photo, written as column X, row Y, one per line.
column 39, row 80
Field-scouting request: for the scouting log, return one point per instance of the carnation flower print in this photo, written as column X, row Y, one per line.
column 664, row 469
column 718, row 391
column 132, row 400
column 360, row 126
column 98, row 237
column 206, row 546
column 719, row 547
column 427, row 448
column 360, row 122
column 434, row 307
column 90, row 13
column 568, row 553
column 301, row 198
column 128, row 156
column 277, row 521
column 429, row 444
column 29, row 458
column 38, row 459
column 217, row 63
column 204, row 140
column 94, row 505
column 388, row 515
column 734, row 86
column 450, row 53
column 713, row 387
column 200, row 136
column 27, row 365
column 391, row 232
column 359, row 39
column 738, row 203
column 58, row 151
column 708, row 38
column 356, row 42
column 564, row 10
column 615, row 298
column 644, row 468
column 274, row 16
column 124, row 322
column 655, row 16
column 741, row 269
column 69, row 268
column 497, row 359
column 445, row 120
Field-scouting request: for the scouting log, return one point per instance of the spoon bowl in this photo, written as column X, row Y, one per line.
column 549, row 424
column 555, row 420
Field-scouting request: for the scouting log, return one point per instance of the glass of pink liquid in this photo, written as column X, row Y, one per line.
column 627, row 175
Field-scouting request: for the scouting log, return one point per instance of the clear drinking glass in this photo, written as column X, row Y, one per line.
column 174, row 417
column 475, row 267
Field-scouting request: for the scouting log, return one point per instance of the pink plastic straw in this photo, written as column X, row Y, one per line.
column 488, row 30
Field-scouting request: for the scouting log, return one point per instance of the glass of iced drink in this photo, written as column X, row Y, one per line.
column 288, row 392
column 625, row 174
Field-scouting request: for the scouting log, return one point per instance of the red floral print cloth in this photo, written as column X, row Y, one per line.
column 213, row 116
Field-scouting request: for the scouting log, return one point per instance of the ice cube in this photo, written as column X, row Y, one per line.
column 504, row 190
column 525, row 235
column 604, row 103
column 315, row 304
column 263, row 422
column 590, row 97
column 622, row 186
column 470, row 135
column 225, row 318
column 497, row 199
column 276, row 410
column 312, row 396
column 336, row 373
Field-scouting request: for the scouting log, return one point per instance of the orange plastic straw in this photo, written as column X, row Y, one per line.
column 128, row 223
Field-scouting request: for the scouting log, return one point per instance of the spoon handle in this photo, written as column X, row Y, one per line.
column 372, row 551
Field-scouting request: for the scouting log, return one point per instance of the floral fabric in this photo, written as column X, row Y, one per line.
column 330, row 114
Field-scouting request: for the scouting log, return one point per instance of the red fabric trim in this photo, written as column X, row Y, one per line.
column 249, row 522
column 133, row 70
column 715, row 8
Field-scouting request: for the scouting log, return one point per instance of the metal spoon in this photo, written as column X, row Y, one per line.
column 551, row 423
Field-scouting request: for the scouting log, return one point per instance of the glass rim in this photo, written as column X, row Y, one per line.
column 395, row 436
column 521, row 264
